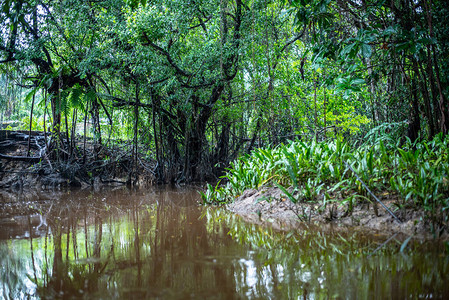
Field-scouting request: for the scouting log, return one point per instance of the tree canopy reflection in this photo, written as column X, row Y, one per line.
column 160, row 243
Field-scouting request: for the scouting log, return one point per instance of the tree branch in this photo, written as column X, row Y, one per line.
column 166, row 54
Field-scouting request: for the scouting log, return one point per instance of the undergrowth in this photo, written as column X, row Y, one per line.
column 414, row 175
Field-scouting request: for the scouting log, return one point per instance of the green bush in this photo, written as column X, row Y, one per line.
column 416, row 173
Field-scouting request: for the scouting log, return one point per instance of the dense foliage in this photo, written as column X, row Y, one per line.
column 195, row 84
column 414, row 176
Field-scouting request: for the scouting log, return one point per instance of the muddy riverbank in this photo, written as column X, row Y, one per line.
column 270, row 207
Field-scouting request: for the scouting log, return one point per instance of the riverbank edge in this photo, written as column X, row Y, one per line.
column 26, row 164
column 268, row 206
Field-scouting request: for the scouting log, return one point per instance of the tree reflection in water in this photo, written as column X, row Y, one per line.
column 160, row 243
column 123, row 243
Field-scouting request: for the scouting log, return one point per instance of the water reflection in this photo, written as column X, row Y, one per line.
column 123, row 244
column 160, row 244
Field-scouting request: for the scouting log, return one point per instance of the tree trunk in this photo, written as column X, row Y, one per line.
column 414, row 122
column 196, row 137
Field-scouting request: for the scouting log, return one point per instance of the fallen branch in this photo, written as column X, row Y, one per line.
column 383, row 244
column 369, row 191
column 112, row 181
column 21, row 158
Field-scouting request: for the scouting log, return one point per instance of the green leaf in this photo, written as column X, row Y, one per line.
column 74, row 97
column 284, row 190
column 389, row 31
column 404, row 244
column 31, row 94
column 263, row 198
column 357, row 81
column 347, row 50
column 6, row 7
column 366, row 50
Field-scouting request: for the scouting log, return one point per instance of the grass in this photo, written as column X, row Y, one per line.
column 416, row 173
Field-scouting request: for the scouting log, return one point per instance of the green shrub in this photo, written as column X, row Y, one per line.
column 416, row 173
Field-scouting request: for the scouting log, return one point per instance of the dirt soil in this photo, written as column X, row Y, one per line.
column 269, row 206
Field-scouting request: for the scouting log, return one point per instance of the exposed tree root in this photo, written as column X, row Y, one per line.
column 64, row 166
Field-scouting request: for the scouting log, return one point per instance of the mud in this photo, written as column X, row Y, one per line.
column 269, row 206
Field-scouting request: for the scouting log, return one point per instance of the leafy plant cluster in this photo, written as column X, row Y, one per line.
column 414, row 174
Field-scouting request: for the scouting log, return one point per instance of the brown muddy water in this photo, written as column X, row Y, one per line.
column 159, row 243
